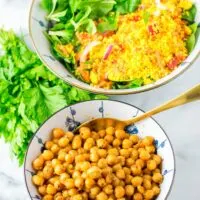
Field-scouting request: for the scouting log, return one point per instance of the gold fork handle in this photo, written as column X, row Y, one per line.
column 187, row 97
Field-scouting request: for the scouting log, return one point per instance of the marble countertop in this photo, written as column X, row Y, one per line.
column 181, row 124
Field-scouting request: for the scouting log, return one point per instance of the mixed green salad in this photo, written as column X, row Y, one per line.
column 29, row 93
column 68, row 17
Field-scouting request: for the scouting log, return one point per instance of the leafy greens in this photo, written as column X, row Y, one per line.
column 29, row 93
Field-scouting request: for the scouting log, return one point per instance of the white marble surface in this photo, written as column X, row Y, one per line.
column 181, row 124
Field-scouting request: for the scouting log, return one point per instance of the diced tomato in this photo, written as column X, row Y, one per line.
column 136, row 18
column 174, row 62
column 151, row 30
column 108, row 33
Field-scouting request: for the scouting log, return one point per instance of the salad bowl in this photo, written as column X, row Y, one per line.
column 70, row 117
column 37, row 27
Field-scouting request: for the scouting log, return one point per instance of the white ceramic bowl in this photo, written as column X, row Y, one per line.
column 69, row 117
column 37, row 26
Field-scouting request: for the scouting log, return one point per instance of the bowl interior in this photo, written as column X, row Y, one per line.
column 37, row 26
column 68, row 118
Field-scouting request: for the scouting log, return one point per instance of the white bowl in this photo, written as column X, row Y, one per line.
column 69, row 117
column 37, row 26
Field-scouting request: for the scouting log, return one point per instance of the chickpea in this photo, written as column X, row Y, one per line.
column 134, row 154
column 76, row 142
column 102, row 153
column 63, row 142
column 72, row 192
column 38, row 163
column 38, row 180
column 136, row 181
column 76, row 174
column 140, row 189
column 85, row 165
column 147, row 141
column 138, row 196
column 58, row 185
column 48, row 172
column 127, row 170
column 89, row 143
column 128, row 179
column 94, row 149
column 122, row 183
column 157, row 158
column 77, row 197
column 109, row 138
column 58, row 133
column 140, row 163
column 113, row 151
column 151, row 165
column 47, row 155
column 42, row 189
column 129, row 190
column 136, row 170
column 106, row 171
column 111, row 159
column 119, row 192
column 48, row 145
column 79, row 158
column 108, row 189
column 47, row 197
column 73, row 153
column 147, row 177
column 63, row 177
column 120, row 174
column 110, row 130
column 101, row 143
column 156, row 190
column 89, row 183
column 55, row 148
column 94, row 157
column 157, row 178
column 126, row 144
column 69, row 183
column 61, row 155
column 53, row 179
column 59, row 197
column 69, row 135
column 144, row 155
column 81, row 150
column 94, row 172
column 134, row 139
column 85, row 196
column 129, row 162
column 55, row 141
column 51, row 189
column 102, row 163
column 120, row 134
column 94, row 192
column 109, row 178
column 102, row 195
column 85, row 132
column 55, row 162
column 125, row 153
column 79, row 182
column 117, row 167
column 65, row 193
column 149, row 194
column 150, row 149
column 69, row 168
column 146, row 171
column 59, row 169
column 157, row 171
column 95, row 135
column 69, row 158
column 102, row 133
column 121, row 160
column 116, row 181
column 116, row 142
column 101, row 182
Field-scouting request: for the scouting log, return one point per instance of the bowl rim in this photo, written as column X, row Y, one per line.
column 92, row 89
column 110, row 100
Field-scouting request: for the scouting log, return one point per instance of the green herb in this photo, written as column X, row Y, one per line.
column 127, row 85
column 146, row 17
column 189, row 15
column 29, row 93
column 127, row 6
column 191, row 41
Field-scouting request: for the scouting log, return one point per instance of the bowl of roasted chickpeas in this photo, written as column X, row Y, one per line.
column 108, row 164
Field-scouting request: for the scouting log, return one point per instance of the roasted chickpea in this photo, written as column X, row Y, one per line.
column 69, row 183
column 140, row 163
column 156, row 190
column 38, row 163
column 48, row 171
column 120, row 134
column 147, row 177
column 126, row 144
column 89, row 143
column 121, row 160
column 59, row 169
column 106, row 171
column 134, row 139
column 81, row 150
column 77, row 197
column 125, row 153
column 95, row 135
column 150, row 149
column 102, row 133
column 110, row 130
column 63, row 142
column 129, row 190
column 58, row 185
column 144, row 155
column 157, row 158
column 65, row 193
column 85, row 132
column 85, row 165
column 113, row 151
column 76, row 174
column 120, row 174
column 61, row 155
column 128, row 179
column 148, row 140
column 38, row 180
column 138, row 196
column 157, row 171
column 129, row 162
column 63, row 177
column 101, row 182
column 76, row 142
column 94, row 172
column 134, row 154
column 116, row 181
column 136, row 170
column 149, row 194
column 146, row 171
column 147, row 184
column 69, row 135
column 109, row 138
column 127, row 170
column 51, row 189
column 102, row 195
column 108, row 189
column 101, row 143
column 48, row 145
column 89, row 183
column 94, row 192
column 47, row 155
column 119, row 192
column 79, row 182
column 151, row 165
column 136, row 181
column 109, row 178
column 42, row 189
column 59, row 197
column 102, row 153
column 53, row 179
column 102, row 163
column 58, row 133
column 55, row 148
column 94, row 157
column 47, row 197
column 72, row 192
column 69, row 158
column 116, row 142
column 111, row 159
column 117, row 167
column 157, row 178
column 140, row 189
